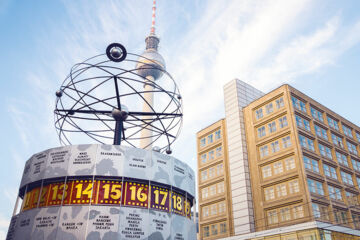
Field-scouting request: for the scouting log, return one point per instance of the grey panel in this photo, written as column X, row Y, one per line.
column 160, row 166
column 38, row 165
column 57, row 162
column 134, row 223
column 159, row 225
column 12, row 228
column 191, row 229
column 109, row 160
column 45, row 223
column 72, row 223
column 137, row 163
column 25, row 223
column 82, row 160
column 179, row 174
column 26, row 174
column 190, row 181
column 103, row 223
column 179, row 228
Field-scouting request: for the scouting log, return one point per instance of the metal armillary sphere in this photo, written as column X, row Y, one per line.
column 102, row 99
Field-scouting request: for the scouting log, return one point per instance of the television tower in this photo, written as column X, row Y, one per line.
column 150, row 66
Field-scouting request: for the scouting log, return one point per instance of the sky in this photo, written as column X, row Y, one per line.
column 313, row 45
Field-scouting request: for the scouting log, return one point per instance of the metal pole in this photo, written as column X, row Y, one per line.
column 118, row 130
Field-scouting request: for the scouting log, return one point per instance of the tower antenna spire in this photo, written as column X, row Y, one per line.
column 152, row 31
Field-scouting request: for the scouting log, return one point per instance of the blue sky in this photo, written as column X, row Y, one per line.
column 314, row 45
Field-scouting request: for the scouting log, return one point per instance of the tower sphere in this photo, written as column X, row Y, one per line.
column 151, row 63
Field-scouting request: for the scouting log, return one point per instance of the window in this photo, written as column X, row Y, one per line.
column 320, row 132
column 358, row 180
column 222, row 228
column 294, row 186
column 298, row 212
column 352, row 148
column 205, row 212
column 261, row 132
column 266, row 171
column 220, row 169
column 272, row 127
column 346, row 177
column 213, row 209
column 218, row 151
column 283, row 122
column 279, row 103
column 335, row 193
column 315, row 187
column 352, row 198
column 325, row 151
column 342, row 159
column 356, row 220
column 281, row 190
column 218, row 134
column 204, row 193
column 202, row 142
column 204, row 175
column 259, row 113
column 275, row 146
column 306, row 143
column 220, row 187
column 211, row 155
column 289, row 164
column 211, row 172
column 340, row 216
column 337, row 140
column 264, row 151
column 278, row 167
column 311, row 164
column 210, row 139
column 206, row 231
column 212, row 190
column 356, row 164
column 320, row 211
column 221, row 207
column 285, row 214
column 272, row 217
column 298, row 104
column 317, row 114
column 330, row 171
column 347, row 131
column 269, row 108
column 214, row 229
column 333, row 123
column 302, row 123
column 269, row 193
column 203, row 158
column 286, row 142
column 357, row 136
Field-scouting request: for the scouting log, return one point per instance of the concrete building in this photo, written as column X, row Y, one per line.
column 291, row 168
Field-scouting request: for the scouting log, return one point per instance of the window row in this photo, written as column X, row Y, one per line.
column 213, row 210
column 269, row 108
column 210, row 138
column 275, row 146
column 212, row 190
column 211, row 155
column 215, row 229
column 271, row 127
column 324, row 150
column 284, row 214
column 212, row 172
column 335, row 193
column 319, row 115
column 278, row 167
column 281, row 190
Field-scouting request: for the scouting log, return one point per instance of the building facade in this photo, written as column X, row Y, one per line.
column 292, row 167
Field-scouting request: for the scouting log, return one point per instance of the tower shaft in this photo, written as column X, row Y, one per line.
column 146, row 133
